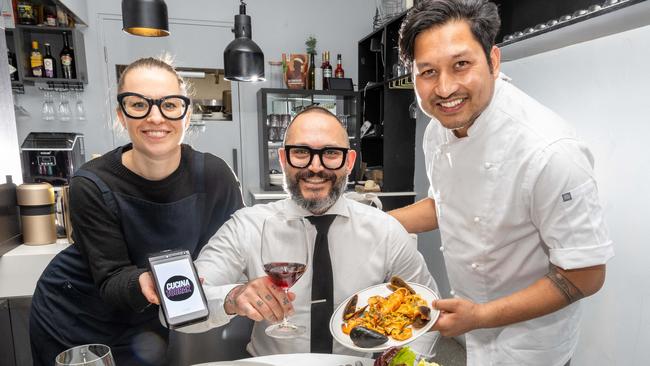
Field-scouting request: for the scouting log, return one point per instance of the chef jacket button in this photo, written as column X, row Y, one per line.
column 442, row 248
column 474, row 265
column 477, row 219
column 488, row 165
column 452, row 293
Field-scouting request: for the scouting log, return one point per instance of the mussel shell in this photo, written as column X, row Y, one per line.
column 422, row 318
column 397, row 282
column 366, row 338
column 350, row 308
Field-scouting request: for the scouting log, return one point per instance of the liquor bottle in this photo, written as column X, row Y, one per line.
column 327, row 70
column 311, row 78
column 26, row 12
column 339, row 73
column 36, row 61
column 49, row 64
column 67, row 59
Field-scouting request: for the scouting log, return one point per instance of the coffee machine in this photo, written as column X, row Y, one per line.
column 53, row 157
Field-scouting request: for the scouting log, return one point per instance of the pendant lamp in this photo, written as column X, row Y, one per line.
column 147, row 18
column 243, row 59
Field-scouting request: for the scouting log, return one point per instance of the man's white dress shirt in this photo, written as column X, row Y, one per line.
column 367, row 247
column 515, row 195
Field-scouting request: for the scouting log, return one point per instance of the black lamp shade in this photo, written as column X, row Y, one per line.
column 243, row 59
column 146, row 18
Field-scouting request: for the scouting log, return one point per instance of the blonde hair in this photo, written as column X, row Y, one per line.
column 164, row 62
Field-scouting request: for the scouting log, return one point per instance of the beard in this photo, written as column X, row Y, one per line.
column 315, row 205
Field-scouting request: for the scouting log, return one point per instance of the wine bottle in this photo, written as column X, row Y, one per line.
column 67, row 59
column 327, row 70
column 26, row 12
column 49, row 64
column 339, row 73
column 36, row 61
column 311, row 79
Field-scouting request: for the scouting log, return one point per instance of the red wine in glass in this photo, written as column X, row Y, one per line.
column 284, row 274
column 284, row 255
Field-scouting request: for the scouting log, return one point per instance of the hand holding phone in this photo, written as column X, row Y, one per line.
column 148, row 288
column 178, row 287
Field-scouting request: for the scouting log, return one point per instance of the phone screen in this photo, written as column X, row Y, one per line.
column 179, row 289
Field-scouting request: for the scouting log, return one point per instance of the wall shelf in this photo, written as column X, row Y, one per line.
column 617, row 18
column 25, row 34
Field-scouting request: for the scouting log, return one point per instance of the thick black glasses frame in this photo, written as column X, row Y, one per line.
column 319, row 152
column 151, row 102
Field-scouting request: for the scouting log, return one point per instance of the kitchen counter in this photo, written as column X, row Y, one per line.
column 21, row 268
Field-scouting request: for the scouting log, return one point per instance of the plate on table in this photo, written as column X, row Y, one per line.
column 336, row 321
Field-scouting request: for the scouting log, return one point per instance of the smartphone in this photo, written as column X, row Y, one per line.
column 181, row 295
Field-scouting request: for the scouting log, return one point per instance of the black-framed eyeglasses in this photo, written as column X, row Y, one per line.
column 300, row 156
column 137, row 106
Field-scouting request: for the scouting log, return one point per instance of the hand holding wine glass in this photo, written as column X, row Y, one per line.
column 284, row 256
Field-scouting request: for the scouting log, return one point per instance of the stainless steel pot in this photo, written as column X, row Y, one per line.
column 37, row 213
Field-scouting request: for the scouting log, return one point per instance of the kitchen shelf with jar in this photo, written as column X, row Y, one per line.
column 388, row 142
column 600, row 19
column 278, row 107
column 25, row 34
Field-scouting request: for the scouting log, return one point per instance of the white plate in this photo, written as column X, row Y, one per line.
column 337, row 318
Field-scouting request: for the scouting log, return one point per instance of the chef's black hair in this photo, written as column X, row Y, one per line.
column 481, row 15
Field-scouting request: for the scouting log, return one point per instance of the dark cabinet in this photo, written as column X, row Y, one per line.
column 278, row 107
column 388, row 100
column 524, row 19
column 24, row 35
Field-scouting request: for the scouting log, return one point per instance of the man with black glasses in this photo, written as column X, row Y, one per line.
column 366, row 246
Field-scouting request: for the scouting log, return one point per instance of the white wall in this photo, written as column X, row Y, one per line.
column 278, row 26
column 601, row 87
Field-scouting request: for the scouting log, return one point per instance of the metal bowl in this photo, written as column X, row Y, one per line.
column 580, row 13
column 540, row 27
column 552, row 22
column 594, row 8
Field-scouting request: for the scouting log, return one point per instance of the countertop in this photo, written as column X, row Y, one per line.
column 21, row 267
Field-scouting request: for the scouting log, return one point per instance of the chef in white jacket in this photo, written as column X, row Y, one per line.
column 512, row 191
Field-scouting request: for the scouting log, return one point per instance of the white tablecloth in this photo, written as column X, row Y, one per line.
column 297, row 359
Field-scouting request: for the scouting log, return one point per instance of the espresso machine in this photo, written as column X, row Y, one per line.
column 54, row 157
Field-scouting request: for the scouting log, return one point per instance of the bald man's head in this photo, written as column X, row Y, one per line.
column 316, row 118
column 314, row 186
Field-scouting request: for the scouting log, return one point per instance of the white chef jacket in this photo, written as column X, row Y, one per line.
column 515, row 194
column 367, row 247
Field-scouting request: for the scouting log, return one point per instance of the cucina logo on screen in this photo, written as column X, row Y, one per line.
column 178, row 288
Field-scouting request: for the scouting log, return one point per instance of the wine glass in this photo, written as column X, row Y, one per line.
column 48, row 106
column 284, row 256
column 80, row 109
column 64, row 112
column 86, row 355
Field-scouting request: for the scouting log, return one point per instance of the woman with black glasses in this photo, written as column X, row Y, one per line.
column 152, row 194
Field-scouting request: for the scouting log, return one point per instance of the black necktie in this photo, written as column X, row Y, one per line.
column 322, row 287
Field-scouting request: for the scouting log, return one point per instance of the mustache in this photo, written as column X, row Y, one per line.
column 306, row 174
column 437, row 99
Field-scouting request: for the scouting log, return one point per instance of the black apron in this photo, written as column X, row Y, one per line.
column 66, row 307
